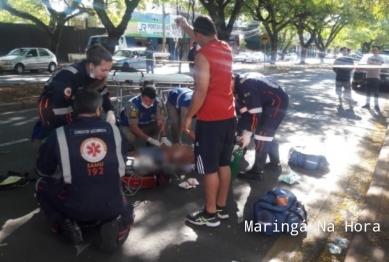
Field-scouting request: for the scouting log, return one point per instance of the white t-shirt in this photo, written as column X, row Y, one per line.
column 374, row 72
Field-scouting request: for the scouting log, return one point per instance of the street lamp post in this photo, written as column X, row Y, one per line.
column 163, row 28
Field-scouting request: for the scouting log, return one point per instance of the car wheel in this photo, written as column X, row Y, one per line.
column 126, row 67
column 19, row 68
column 52, row 67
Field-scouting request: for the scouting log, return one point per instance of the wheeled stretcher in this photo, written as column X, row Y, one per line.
column 131, row 82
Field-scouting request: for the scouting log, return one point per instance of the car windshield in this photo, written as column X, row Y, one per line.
column 122, row 53
column 19, row 52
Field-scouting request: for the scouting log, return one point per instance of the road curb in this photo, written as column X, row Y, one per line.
column 360, row 245
column 17, row 106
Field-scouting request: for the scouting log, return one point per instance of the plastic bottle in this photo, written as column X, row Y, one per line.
column 237, row 156
column 334, row 249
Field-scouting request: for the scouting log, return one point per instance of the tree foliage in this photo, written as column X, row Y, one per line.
column 252, row 37
column 274, row 15
column 114, row 31
column 54, row 20
column 224, row 13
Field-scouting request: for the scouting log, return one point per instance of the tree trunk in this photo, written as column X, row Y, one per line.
column 56, row 37
column 304, row 50
column 322, row 54
column 273, row 47
column 113, row 40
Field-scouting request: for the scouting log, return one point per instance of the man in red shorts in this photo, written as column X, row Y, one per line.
column 213, row 104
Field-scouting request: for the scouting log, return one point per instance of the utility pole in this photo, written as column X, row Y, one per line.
column 163, row 28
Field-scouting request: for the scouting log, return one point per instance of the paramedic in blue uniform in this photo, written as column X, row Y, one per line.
column 177, row 105
column 144, row 117
column 55, row 105
column 81, row 165
column 262, row 104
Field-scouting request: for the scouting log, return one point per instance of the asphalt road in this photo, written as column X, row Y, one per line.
column 160, row 233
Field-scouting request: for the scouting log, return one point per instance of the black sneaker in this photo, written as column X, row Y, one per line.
column 70, row 231
column 367, row 106
column 202, row 217
column 222, row 212
column 273, row 167
column 109, row 236
column 254, row 174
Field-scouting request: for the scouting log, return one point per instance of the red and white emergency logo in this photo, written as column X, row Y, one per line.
column 93, row 149
column 68, row 91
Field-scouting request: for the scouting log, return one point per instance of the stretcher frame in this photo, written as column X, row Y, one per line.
column 163, row 87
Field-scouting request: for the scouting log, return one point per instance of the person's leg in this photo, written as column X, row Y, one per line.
column 274, row 154
column 152, row 67
column 226, row 146
column 368, row 92
column 338, row 90
column 206, row 163
column 115, row 232
column 51, row 195
column 376, row 88
column 224, row 173
column 131, row 138
column 175, row 122
column 211, row 188
column 347, row 93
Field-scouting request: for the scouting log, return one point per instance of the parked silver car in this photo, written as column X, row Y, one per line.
column 127, row 58
column 29, row 58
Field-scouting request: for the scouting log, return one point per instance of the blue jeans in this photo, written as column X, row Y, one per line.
column 372, row 85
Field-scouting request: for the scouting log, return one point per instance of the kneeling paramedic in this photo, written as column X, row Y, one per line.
column 177, row 105
column 81, row 165
column 55, row 105
column 144, row 116
column 262, row 104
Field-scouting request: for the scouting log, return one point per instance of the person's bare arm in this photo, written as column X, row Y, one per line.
column 162, row 127
column 138, row 132
column 201, row 87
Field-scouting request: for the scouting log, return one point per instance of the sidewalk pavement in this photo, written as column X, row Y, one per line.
column 366, row 245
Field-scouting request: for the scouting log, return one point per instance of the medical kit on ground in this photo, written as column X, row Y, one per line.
column 307, row 159
column 278, row 211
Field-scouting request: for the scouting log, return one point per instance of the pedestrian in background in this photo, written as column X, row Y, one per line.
column 191, row 59
column 149, row 58
column 213, row 104
column 373, row 78
column 343, row 76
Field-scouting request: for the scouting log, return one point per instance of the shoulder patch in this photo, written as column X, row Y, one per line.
column 133, row 114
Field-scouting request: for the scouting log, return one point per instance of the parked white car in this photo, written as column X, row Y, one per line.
column 243, row 57
column 258, row 57
column 129, row 57
column 29, row 58
column 291, row 57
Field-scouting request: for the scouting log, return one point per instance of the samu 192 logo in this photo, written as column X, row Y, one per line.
column 93, row 149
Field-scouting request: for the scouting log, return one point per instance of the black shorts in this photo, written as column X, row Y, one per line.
column 213, row 144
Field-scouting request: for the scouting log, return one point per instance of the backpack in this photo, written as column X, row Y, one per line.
column 307, row 161
column 268, row 218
